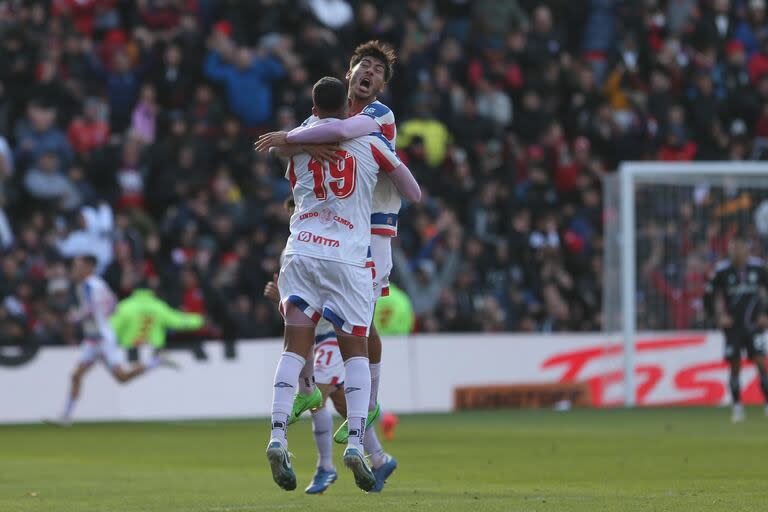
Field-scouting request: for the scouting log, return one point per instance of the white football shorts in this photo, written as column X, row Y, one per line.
column 105, row 349
column 339, row 292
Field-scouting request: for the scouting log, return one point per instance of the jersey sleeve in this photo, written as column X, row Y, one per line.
column 383, row 116
column 179, row 320
column 383, row 153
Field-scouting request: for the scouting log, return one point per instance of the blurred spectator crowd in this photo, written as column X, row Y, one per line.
column 127, row 129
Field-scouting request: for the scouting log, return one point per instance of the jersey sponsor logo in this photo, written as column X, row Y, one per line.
column 309, row 237
column 343, row 222
column 326, row 216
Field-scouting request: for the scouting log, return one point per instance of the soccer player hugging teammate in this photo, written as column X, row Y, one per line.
column 325, row 379
column 326, row 274
column 734, row 298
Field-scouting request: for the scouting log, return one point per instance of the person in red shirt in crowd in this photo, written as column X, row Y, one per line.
column 677, row 147
column 84, row 13
column 89, row 131
column 162, row 15
column 758, row 64
column 571, row 166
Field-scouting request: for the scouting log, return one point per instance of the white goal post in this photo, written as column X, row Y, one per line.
column 703, row 197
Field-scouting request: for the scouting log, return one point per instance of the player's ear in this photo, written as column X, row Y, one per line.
column 348, row 75
column 314, row 111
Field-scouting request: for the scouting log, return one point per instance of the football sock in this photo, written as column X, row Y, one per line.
column 307, row 378
column 373, row 448
column 69, row 407
column 375, row 376
column 357, row 390
column 735, row 389
column 322, row 428
column 286, row 380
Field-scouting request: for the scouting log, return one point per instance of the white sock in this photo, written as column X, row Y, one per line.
column 69, row 407
column 375, row 376
column 307, row 378
column 153, row 363
column 373, row 448
column 286, row 380
column 357, row 390
column 322, row 428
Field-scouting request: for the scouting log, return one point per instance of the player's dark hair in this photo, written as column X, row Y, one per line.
column 379, row 51
column 329, row 94
column 89, row 259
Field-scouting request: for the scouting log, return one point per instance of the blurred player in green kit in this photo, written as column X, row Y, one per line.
column 143, row 318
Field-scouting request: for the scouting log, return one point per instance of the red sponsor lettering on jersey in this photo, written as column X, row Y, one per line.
column 306, row 236
column 343, row 222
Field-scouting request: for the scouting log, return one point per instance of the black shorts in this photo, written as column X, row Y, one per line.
column 738, row 341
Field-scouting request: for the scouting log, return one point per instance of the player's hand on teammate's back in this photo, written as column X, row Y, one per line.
column 271, row 139
column 323, row 152
column 271, row 291
column 725, row 321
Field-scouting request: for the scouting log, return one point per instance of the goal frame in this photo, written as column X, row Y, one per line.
column 630, row 173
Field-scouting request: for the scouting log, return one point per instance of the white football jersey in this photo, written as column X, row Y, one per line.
column 386, row 199
column 96, row 302
column 332, row 220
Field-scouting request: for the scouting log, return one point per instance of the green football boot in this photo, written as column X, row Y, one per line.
column 302, row 403
column 342, row 435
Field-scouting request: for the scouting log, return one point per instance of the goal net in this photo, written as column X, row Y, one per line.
column 665, row 226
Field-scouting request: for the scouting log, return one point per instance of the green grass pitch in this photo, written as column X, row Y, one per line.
column 524, row 461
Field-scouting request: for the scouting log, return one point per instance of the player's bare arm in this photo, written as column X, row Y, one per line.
column 333, row 131
column 405, row 183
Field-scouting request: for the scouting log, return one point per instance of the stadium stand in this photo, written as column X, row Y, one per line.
column 127, row 130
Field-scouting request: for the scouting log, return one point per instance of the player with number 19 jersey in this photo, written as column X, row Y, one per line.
column 331, row 225
column 386, row 199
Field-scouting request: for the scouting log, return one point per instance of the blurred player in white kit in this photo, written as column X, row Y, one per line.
column 96, row 302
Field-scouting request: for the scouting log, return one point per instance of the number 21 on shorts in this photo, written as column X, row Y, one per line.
column 343, row 174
